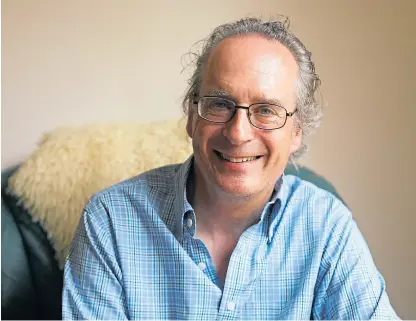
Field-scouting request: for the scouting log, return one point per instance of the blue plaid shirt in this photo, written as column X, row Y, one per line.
column 134, row 257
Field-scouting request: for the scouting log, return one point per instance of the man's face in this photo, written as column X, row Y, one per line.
column 246, row 70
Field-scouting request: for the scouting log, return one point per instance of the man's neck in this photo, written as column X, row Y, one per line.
column 220, row 213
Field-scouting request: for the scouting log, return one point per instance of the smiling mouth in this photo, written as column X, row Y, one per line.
column 236, row 159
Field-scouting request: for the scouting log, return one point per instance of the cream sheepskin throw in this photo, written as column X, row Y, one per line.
column 72, row 163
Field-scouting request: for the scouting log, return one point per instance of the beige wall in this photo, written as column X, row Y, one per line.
column 74, row 62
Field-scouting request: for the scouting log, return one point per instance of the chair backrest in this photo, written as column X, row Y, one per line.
column 31, row 281
column 310, row 176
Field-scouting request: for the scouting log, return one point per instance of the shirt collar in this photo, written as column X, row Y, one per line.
column 281, row 194
column 182, row 206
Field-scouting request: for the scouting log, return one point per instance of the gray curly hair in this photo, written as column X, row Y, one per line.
column 309, row 112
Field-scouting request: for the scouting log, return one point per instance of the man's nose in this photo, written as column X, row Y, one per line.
column 238, row 130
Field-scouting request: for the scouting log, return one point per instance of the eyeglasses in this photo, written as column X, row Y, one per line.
column 261, row 115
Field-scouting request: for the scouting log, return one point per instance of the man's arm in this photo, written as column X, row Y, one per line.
column 92, row 278
column 349, row 285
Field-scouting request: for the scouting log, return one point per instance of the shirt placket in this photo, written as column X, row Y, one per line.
column 196, row 249
column 235, row 293
column 238, row 285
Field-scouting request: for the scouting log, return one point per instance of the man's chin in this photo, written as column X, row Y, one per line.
column 237, row 188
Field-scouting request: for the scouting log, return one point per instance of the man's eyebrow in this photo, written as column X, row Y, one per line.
column 218, row 92
column 273, row 101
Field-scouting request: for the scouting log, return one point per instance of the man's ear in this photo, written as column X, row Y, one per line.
column 296, row 140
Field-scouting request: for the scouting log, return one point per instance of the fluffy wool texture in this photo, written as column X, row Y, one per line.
column 72, row 163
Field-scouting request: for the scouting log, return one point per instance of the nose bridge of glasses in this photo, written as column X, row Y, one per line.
column 242, row 107
column 243, row 117
column 245, row 109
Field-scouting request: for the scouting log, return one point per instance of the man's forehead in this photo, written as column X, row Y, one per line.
column 263, row 67
column 251, row 56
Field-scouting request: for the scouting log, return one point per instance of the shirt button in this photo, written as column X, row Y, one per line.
column 189, row 222
column 231, row 306
column 202, row 265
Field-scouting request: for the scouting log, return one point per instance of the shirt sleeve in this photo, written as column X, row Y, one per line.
column 92, row 276
column 349, row 286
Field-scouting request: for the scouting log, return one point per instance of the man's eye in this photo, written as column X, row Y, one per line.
column 265, row 111
column 220, row 104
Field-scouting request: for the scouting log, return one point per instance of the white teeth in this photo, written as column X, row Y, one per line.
column 238, row 159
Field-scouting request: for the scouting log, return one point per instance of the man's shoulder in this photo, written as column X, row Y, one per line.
column 146, row 187
column 311, row 201
column 299, row 186
column 313, row 215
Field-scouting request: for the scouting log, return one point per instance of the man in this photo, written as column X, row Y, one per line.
column 226, row 235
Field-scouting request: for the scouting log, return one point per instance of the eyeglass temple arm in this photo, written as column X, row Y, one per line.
column 290, row 114
column 195, row 99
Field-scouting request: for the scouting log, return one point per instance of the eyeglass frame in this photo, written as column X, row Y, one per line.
column 247, row 108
